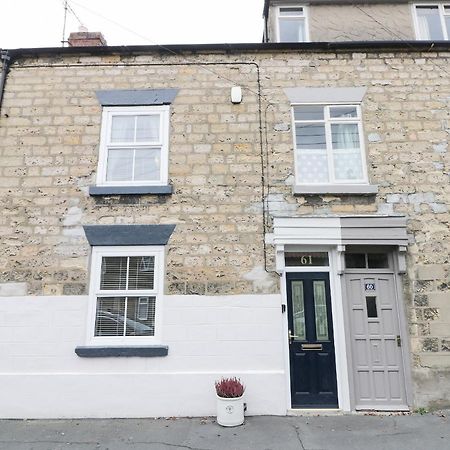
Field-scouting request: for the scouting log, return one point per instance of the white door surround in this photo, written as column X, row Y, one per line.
column 332, row 234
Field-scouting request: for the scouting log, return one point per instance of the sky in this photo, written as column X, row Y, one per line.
column 39, row 23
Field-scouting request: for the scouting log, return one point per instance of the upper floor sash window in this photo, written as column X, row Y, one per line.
column 292, row 24
column 432, row 21
column 134, row 146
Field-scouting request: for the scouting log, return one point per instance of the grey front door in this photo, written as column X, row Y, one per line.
column 378, row 371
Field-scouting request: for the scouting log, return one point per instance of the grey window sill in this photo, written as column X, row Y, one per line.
column 130, row 190
column 148, row 351
column 344, row 189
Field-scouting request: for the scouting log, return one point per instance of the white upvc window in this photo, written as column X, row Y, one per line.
column 329, row 145
column 432, row 21
column 292, row 24
column 134, row 146
column 125, row 295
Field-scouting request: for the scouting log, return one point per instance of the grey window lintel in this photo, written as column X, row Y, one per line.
column 326, row 95
column 148, row 351
column 130, row 190
column 343, row 189
column 106, row 235
column 136, row 97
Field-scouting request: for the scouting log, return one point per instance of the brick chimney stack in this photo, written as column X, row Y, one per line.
column 84, row 38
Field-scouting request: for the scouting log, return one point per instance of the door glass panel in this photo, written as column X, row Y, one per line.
column 366, row 261
column 371, row 303
column 320, row 308
column 378, row 260
column 355, row 260
column 298, row 310
column 293, row 259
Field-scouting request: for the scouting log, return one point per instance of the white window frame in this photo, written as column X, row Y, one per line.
column 442, row 15
column 304, row 16
column 107, row 115
column 327, row 121
column 94, row 292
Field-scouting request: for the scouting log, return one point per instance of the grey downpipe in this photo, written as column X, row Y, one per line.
column 4, row 57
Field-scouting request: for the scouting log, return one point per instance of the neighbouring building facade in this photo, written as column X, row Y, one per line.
column 277, row 212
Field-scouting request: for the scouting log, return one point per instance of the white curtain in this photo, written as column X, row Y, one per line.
column 122, row 128
column 120, row 164
column 147, row 128
column 429, row 22
column 346, row 136
column 301, row 31
column 424, row 27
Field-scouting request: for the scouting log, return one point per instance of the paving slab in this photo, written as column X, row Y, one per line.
column 368, row 432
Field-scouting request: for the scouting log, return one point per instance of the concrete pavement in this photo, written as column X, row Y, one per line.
column 367, row 432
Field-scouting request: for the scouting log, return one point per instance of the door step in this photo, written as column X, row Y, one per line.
column 314, row 412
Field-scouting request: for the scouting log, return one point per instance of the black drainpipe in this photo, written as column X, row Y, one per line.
column 4, row 57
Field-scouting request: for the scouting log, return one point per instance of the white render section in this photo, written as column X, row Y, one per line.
column 12, row 289
column 208, row 337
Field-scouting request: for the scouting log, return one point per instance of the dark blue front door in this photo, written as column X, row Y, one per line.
column 311, row 345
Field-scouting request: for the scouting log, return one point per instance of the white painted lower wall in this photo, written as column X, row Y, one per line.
column 208, row 337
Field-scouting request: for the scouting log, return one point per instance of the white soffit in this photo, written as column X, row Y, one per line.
column 343, row 230
column 327, row 95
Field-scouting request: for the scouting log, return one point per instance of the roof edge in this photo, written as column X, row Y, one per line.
column 230, row 48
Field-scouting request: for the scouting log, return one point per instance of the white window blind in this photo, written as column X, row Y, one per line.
column 126, row 294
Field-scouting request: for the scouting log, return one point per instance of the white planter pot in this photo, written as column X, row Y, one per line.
column 230, row 411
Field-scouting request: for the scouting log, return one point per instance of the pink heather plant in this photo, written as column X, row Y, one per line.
column 229, row 388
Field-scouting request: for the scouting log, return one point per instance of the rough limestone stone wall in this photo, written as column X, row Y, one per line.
column 49, row 136
column 49, row 133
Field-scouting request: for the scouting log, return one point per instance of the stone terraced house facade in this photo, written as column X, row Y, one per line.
column 277, row 212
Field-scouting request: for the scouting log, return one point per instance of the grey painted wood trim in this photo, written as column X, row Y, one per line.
column 390, row 222
column 136, row 97
column 130, row 190
column 327, row 95
column 352, row 189
column 126, row 352
column 341, row 230
column 102, row 235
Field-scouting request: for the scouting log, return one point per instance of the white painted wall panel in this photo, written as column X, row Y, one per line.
column 42, row 377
